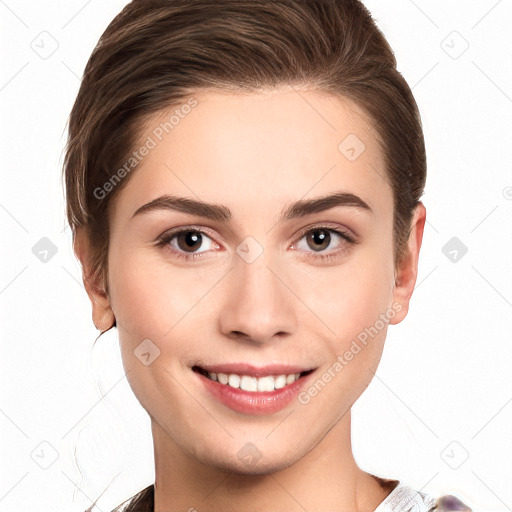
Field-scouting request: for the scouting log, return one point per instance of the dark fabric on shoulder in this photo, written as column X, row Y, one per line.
column 450, row 503
column 144, row 501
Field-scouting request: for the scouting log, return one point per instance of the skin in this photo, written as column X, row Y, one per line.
column 256, row 153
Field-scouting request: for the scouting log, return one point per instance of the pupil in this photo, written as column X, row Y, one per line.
column 321, row 237
column 192, row 240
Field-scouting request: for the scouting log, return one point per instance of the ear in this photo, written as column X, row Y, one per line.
column 407, row 269
column 102, row 314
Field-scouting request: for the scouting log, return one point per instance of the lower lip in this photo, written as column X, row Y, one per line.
column 249, row 402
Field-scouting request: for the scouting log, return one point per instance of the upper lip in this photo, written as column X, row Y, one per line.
column 254, row 371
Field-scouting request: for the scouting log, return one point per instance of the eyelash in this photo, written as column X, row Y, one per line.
column 166, row 238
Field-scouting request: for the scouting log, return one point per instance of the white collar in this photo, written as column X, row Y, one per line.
column 404, row 498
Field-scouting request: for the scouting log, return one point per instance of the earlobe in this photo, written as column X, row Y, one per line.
column 407, row 269
column 102, row 314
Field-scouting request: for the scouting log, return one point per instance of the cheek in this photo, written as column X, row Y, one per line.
column 355, row 305
column 350, row 297
column 149, row 296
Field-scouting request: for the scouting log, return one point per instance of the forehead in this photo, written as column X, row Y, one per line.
column 258, row 150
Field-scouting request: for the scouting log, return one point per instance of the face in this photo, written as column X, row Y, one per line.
column 281, row 282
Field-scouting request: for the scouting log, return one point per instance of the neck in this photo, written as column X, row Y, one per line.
column 327, row 478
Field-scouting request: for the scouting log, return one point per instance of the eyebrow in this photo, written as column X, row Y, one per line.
column 222, row 213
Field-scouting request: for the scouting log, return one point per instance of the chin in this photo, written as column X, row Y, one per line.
column 249, row 461
column 257, row 469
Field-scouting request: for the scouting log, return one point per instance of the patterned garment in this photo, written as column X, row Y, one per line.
column 401, row 499
column 404, row 498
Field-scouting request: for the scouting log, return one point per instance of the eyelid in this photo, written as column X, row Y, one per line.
column 187, row 227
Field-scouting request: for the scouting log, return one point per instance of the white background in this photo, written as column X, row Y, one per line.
column 443, row 391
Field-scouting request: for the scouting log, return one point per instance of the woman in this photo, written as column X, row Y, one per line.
column 243, row 183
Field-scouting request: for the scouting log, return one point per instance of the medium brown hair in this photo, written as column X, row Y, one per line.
column 155, row 53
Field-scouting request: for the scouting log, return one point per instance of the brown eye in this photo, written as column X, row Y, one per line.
column 189, row 241
column 318, row 239
column 324, row 243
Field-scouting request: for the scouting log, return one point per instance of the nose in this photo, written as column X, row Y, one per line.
column 258, row 304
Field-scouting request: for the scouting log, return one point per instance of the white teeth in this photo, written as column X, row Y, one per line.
column 234, row 380
column 249, row 383
column 266, row 384
column 280, row 381
column 253, row 384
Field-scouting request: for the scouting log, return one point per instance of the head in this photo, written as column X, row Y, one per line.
column 291, row 121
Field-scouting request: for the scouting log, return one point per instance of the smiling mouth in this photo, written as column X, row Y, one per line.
column 250, row 383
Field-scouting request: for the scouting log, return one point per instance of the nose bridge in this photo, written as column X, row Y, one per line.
column 257, row 302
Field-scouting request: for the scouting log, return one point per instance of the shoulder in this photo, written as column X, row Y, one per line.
column 143, row 501
column 404, row 498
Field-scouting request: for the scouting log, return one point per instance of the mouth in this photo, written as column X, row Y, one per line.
column 253, row 381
